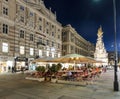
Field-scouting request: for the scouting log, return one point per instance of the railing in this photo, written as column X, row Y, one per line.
column 40, row 43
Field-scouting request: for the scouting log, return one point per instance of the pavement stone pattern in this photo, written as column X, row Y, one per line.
column 15, row 86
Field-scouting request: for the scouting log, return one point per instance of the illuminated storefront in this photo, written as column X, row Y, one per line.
column 20, row 62
column 5, row 63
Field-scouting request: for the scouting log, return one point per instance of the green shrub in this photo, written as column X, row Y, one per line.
column 55, row 68
column 40, row 69
column 59, row 66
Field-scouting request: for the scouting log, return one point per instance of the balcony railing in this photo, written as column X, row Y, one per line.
column 40, row 43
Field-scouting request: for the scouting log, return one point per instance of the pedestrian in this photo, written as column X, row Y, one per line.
column 22, row 69
column 105, row 69
column 12, row 69
column 9, row 68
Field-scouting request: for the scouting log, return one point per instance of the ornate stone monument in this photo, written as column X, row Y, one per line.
column 100, row 51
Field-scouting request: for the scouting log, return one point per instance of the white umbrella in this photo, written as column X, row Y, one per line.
column 72, row 58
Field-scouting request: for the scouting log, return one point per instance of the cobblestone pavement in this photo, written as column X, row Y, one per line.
column 15, row 86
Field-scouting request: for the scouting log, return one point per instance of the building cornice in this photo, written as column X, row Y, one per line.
column 71, row 29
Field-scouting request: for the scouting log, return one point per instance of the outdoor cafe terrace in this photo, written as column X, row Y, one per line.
column 82, row 73
column 70, row 74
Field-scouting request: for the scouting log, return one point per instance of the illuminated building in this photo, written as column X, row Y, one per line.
column 28, row 30
column 73, row 43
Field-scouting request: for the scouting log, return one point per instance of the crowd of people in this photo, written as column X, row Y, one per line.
column 82, row 73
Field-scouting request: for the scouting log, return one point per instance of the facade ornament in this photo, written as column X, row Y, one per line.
column 17, row 19
column 100, row 32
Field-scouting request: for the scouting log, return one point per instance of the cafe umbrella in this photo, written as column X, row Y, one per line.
column 72, row 58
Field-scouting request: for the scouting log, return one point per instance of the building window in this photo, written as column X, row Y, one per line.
column 52, row 44
column 22, row 50
column 71, row 48
column 53, row 54
column 5, row 28
column 21, row 34
column 52, row 26
column 64, row 48
column 47, row 31
column 58, row 36
column 72, row 38
column 6, row 0
column 64, row 36
column 21, row 8
column 31, row 51
column 58, row 46
column 31, row 37
column 47, row 53
column 21, row 18
column 47, row 23
column 40, row 52
column 47, row 42
column 5, row 47
column 40, row 19
column 5, row 10
column 31, row 14
column 59, row 54
column 40, row 39
column 52, row 33
column 40, row 27
column 25, row 0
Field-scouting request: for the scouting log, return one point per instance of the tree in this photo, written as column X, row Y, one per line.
column 40, row 70
column 53, row 70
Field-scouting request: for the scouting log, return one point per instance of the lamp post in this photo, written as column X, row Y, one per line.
column 116, row 84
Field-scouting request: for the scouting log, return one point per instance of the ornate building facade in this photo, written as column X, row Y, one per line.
column 73, row 43
column 28, row 30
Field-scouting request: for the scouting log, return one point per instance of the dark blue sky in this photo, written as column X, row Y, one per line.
column 86, row 16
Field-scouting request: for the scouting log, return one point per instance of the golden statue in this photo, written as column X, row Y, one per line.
column 100, row 32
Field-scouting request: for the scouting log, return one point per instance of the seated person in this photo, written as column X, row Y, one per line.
column 69, row 75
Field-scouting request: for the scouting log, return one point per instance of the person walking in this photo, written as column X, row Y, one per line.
column 22, row 70
column 9, row 68
column 13, row 70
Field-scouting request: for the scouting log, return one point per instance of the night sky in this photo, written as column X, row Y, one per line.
column 86, row 16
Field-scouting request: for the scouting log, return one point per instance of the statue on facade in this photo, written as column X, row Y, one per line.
column 100, row 32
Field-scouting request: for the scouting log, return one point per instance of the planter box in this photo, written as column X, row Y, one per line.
column 38, row 79
column 54, row 80
column 63, row 81
column 31, row 78
column 41, row 79
column 72, row 82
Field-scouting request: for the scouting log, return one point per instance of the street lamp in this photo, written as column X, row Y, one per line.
column 116, row 84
